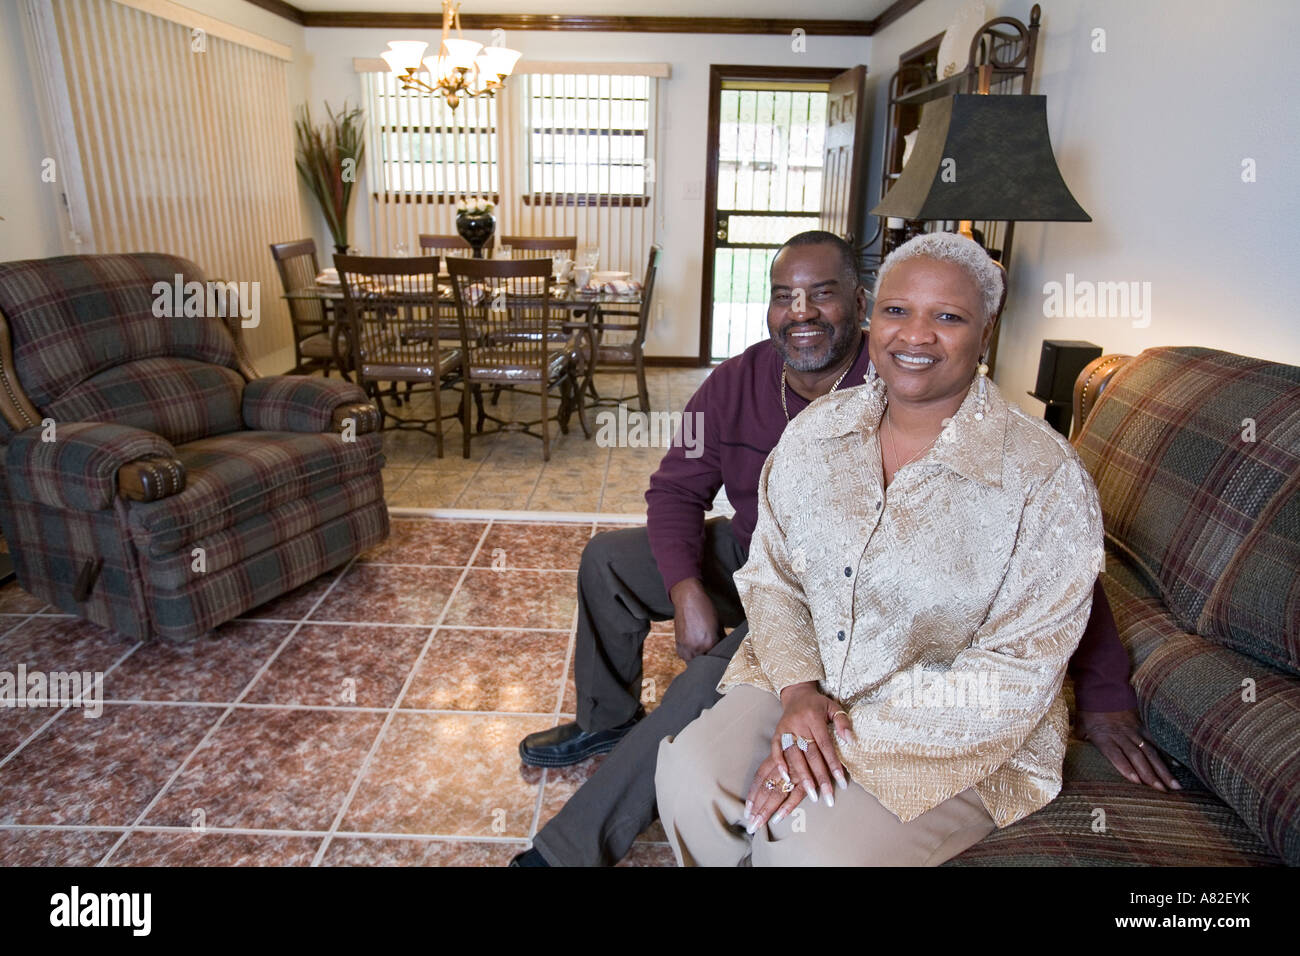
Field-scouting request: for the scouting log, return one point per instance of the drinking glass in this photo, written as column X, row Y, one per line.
column 560, row 266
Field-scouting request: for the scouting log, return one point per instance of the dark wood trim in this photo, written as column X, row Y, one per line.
column 574, row 199
column 925, row 46
column 281, row 9
column 893, row 12
column 433, row 199
column 573, row 23
column 603, row 24
column 673, row 361
column 718, row 73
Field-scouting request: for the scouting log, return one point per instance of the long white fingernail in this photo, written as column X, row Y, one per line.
column 839, row 778
column 752, row 828
column 785, row 776
column 780, row 815
column 812, row 793
column 749, row 809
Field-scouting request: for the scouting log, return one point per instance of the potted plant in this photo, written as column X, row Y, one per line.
column 329, row 158
column 476, row 222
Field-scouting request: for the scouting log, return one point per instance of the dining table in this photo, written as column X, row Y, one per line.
column 579, row 301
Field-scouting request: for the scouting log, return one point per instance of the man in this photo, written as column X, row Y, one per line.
column 680, row 566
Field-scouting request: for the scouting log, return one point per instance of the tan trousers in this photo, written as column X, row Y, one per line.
column 704, row 775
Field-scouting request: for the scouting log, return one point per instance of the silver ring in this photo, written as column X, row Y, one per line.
column 787, row 741
column 802, row 743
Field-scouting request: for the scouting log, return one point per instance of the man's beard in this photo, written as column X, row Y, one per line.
column 835, row 352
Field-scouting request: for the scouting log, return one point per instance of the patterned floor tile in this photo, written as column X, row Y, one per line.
column 213, row 668
column 271, row 769
column 452, row 775
column 341, row 665
column 384, row 594
column 211, row 848
column 526, row 599
column 489, row 670
column 100, row 771
column 360, row 851
column 55, row 847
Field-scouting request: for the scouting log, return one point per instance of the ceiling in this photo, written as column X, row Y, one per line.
column 761, row 9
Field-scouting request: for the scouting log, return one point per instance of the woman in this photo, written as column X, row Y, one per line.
column 921, row 571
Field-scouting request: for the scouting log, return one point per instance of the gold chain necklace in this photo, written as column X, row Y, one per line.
column 894, row 447
column 833, row 387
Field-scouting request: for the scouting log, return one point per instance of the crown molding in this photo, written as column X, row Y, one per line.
column 603, row 24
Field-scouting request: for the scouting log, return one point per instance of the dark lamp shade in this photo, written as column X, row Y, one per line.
column 1003, row 164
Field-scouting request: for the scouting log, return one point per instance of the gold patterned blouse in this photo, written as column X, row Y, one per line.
column 941, row 613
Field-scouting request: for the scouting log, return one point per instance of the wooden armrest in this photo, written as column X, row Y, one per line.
column 1094, row 378
column 150, row 479
column 364, row 414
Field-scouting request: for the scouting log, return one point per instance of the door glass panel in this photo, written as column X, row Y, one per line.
column 770, row 147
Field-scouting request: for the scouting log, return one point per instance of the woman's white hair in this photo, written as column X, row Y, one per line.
column 957, row 249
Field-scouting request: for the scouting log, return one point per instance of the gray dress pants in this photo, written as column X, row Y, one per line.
column 620, row 592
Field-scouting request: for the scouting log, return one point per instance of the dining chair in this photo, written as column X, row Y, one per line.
column 444, row 245
column 396, row 313
column 619, row 356
column 537, row 247
column 540, row 247
column 513, row 337
column 313, row 346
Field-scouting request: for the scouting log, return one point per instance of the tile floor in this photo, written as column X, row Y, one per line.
column 506, row 473
column 369, row 717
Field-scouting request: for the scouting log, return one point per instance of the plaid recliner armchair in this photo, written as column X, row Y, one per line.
column 153, row 483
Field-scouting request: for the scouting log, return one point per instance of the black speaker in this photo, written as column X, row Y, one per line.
column 1059, row 366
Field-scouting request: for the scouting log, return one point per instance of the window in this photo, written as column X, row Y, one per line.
column 564, row 150
column 588, row 139
column 429, row 152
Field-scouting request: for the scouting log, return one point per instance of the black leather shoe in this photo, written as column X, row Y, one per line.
column 529, row 857
column 568, row 744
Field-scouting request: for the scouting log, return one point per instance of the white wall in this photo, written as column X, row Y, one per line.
column 685, row 101
column 1150, row 137
column 30, row 229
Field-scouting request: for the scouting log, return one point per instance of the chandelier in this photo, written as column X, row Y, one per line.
column 462, row 67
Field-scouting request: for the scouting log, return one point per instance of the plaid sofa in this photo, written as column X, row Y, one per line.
column 152, row 482
column 1196, row 455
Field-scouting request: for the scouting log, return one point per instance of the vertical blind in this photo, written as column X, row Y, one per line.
column 181, row 151
column 559, row 153
column 423, row 157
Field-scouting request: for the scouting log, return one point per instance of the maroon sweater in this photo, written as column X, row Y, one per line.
column 740, row 409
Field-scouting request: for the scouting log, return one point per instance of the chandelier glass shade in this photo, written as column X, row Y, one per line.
column 461, row 68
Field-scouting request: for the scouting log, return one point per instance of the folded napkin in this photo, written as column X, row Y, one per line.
column 328, row 277
column 616, row 287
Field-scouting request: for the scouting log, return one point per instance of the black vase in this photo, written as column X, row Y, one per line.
column 476, row 228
